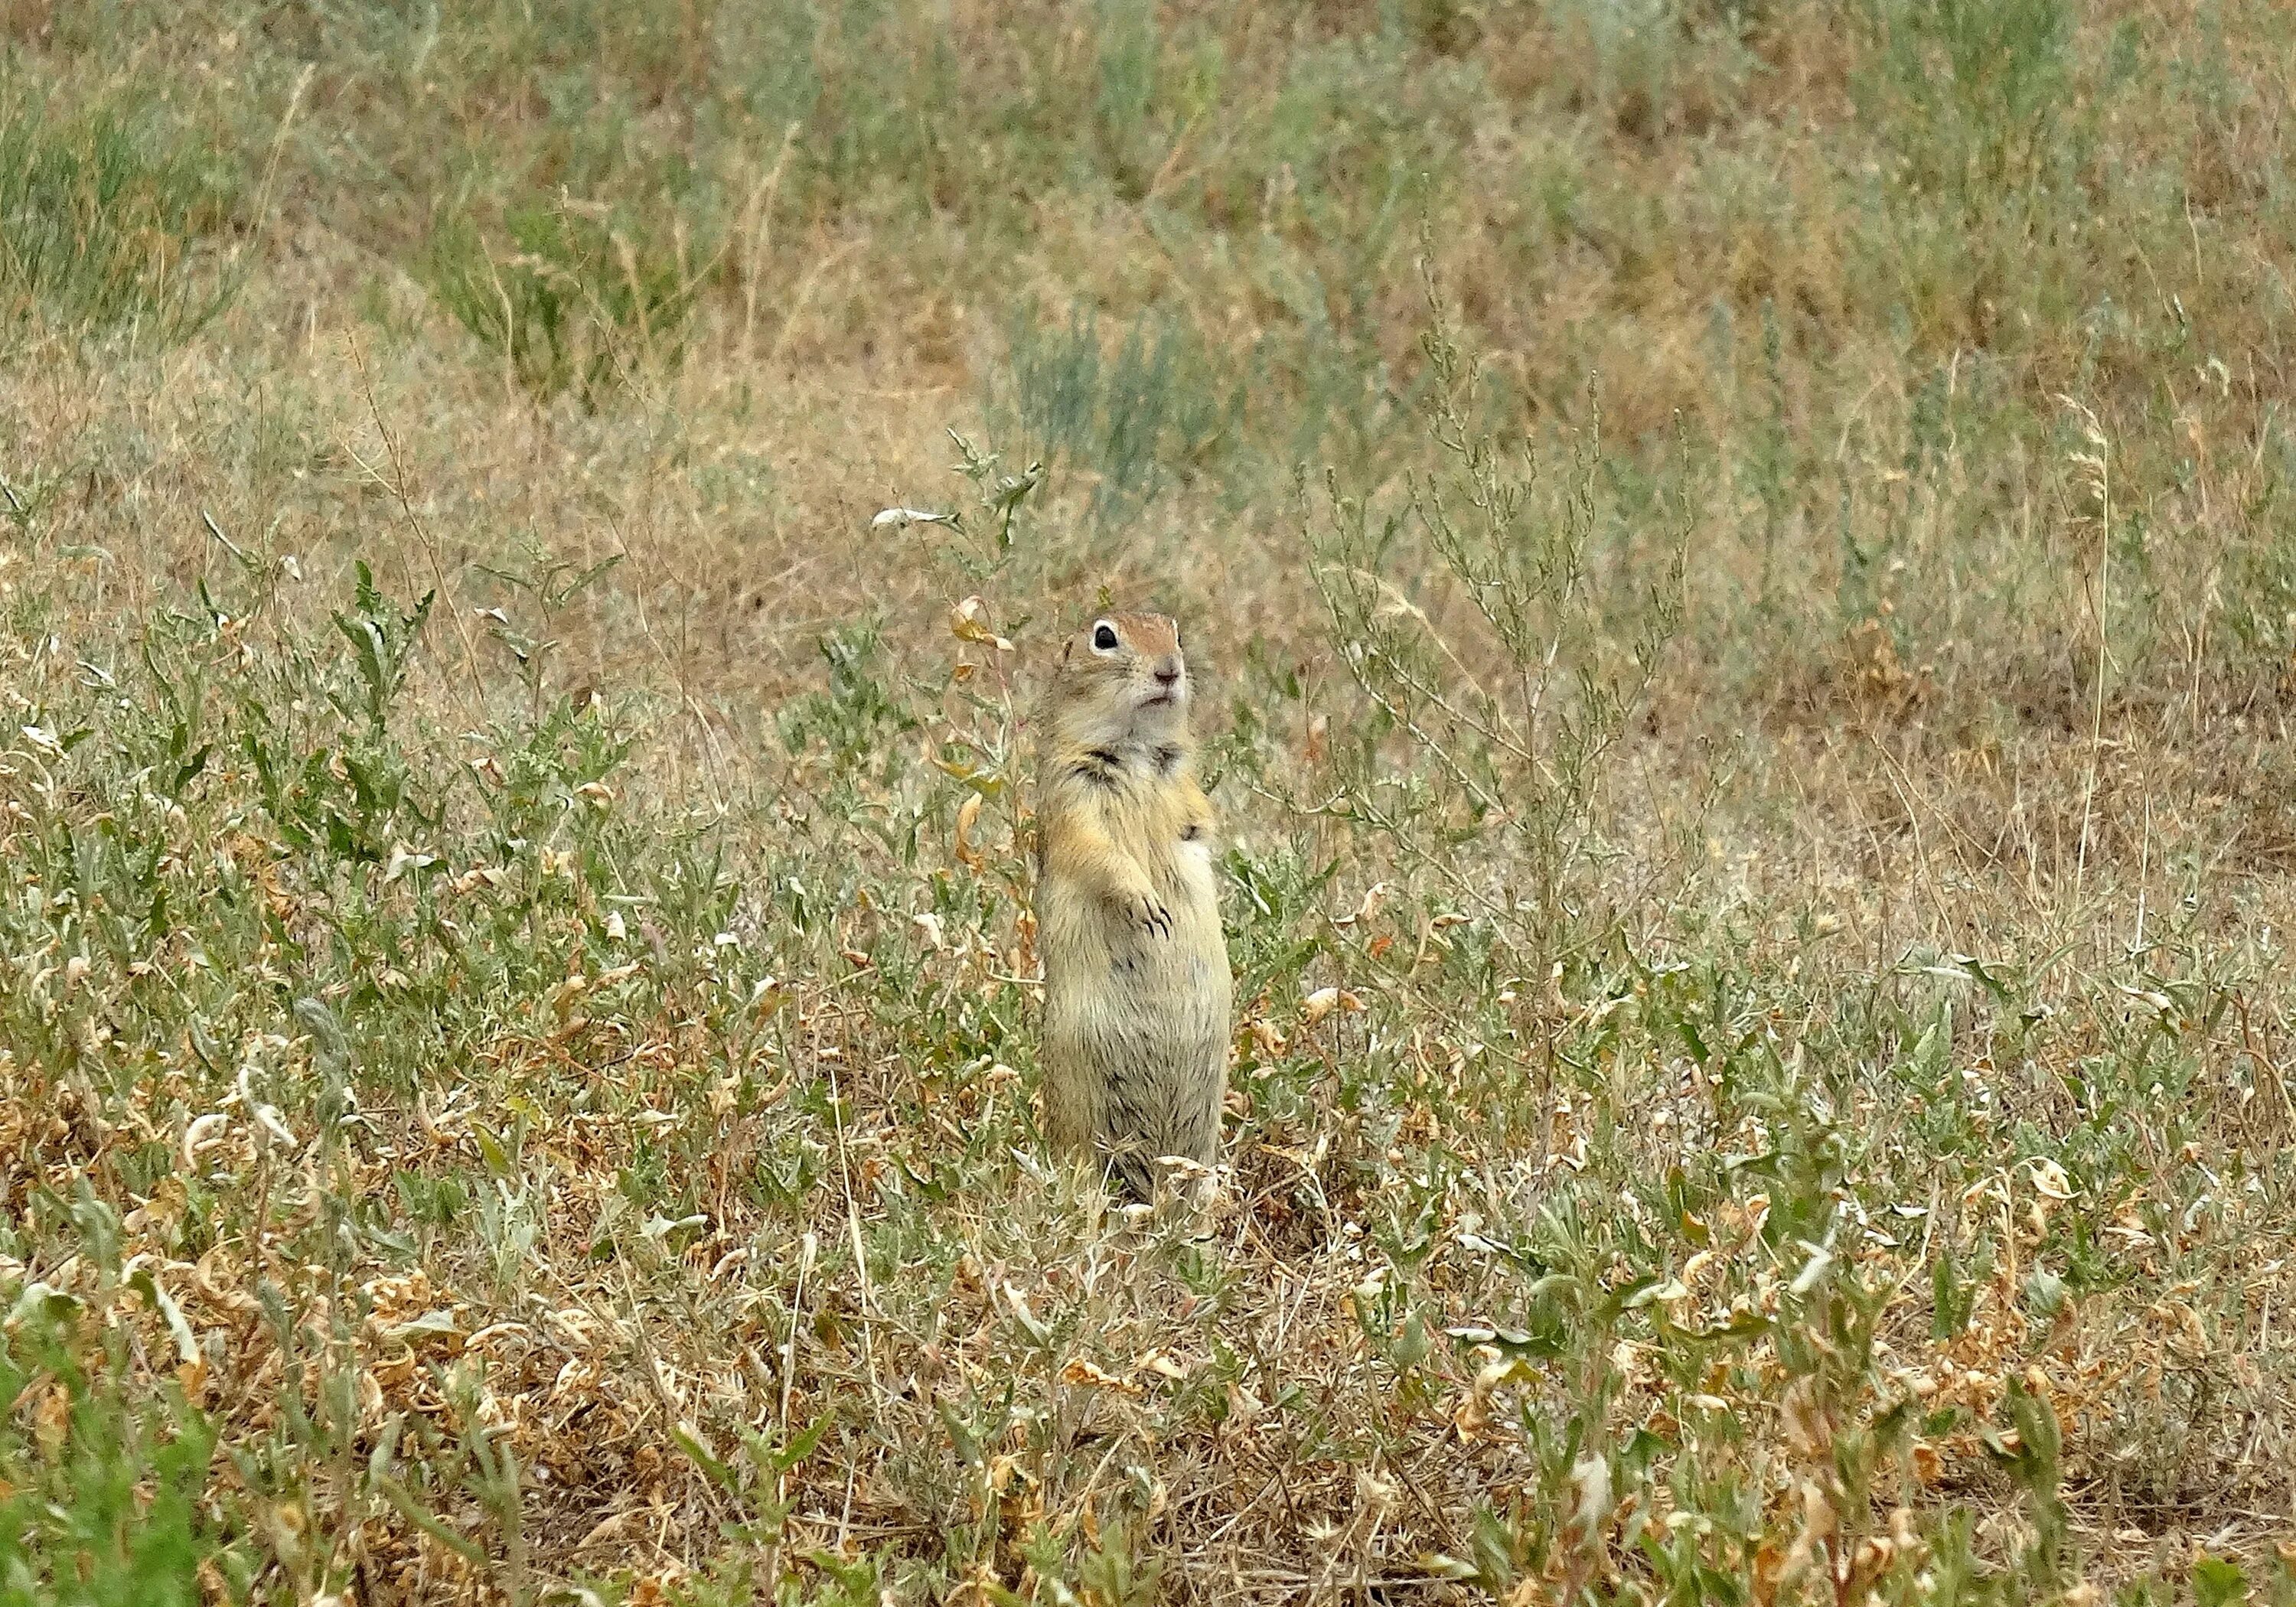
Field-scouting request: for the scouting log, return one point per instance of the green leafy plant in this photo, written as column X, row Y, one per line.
column 551, row 584
column 107, row 1499
column 1516, row 736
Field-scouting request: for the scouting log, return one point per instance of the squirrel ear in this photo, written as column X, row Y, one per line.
column 1067, row 649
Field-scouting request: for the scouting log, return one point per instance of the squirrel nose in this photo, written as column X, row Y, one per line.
column 1168, row 671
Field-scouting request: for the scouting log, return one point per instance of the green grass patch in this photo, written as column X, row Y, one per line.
column 109, row 219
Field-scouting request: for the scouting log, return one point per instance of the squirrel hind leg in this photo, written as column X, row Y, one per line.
column 1147, row 1174
column 1132, row 1169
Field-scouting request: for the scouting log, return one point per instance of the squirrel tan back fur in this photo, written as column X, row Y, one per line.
column 1137, row 983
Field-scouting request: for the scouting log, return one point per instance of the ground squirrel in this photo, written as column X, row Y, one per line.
column 1136, row 984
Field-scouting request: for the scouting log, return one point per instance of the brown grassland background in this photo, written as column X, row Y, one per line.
column 1741, row 566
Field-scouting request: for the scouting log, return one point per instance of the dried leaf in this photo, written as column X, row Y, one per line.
column 967, row 813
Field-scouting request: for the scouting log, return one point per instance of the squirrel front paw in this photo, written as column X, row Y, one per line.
column 1144, row 910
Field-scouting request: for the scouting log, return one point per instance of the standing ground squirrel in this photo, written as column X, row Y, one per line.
column 1137, row 985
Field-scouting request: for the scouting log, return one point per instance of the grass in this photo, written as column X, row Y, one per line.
column 1751, row 729
column 105, row 210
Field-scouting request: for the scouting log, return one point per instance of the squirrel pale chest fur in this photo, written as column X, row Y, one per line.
column 1136, row 983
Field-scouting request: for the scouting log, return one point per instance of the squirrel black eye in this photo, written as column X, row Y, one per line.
column 1104, row 638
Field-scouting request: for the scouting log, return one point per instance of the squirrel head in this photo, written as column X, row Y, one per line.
column 1121, row 679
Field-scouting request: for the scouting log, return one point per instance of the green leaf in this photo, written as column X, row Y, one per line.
column 187, row 1344
column 803, row 1446
column 2217, row 1582
column 43, row 1301
column 1655, row 1289
column 490, row 1149
column 689, row 1438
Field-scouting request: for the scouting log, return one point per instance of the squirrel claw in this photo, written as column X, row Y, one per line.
column 1150, row 914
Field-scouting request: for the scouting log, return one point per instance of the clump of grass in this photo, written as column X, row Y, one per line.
column 1133, row 420
column 576, row 300
column 107, row 217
